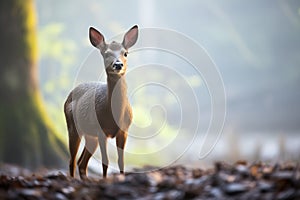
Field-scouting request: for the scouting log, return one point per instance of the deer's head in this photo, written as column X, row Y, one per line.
column 114, row 53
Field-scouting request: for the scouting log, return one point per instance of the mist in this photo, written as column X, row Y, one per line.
column 254, row 46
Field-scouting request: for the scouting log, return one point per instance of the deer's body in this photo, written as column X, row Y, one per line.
column 79, row 103
column 99, row 110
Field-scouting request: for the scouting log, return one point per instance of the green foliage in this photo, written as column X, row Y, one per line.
column 57, row 59
column 53, row 45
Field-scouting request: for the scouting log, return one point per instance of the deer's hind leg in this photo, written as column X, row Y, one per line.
column 90, row 147
column 74, row 141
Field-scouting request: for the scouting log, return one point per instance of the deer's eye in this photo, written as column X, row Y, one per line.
column 125, row 54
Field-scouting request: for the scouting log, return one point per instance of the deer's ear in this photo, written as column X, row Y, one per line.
column 96, row 38
column 130, row 37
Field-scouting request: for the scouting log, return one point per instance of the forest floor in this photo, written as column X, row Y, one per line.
column 236, row 181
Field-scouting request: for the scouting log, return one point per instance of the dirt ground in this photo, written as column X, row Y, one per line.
column 236, row 181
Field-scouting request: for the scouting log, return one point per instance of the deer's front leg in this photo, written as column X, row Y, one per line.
column 121, row 140
column 91, row 145
column 103, row 146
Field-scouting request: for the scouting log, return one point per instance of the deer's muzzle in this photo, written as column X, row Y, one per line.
column 118, row 65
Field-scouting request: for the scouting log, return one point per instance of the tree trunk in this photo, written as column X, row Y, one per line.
column 26, row 137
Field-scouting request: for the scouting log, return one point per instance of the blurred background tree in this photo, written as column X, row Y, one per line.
column 27, row 137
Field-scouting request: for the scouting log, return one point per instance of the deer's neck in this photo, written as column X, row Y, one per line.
column 117, row 91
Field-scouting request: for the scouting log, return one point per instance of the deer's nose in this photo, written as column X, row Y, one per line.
column 118, row 65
